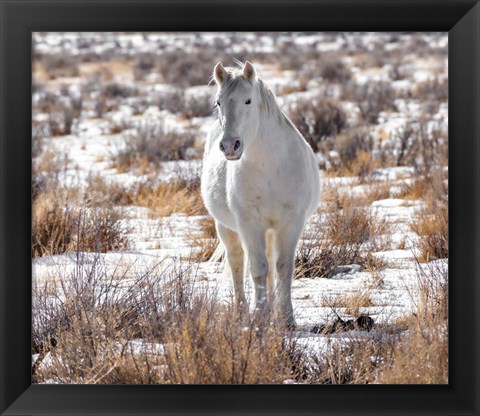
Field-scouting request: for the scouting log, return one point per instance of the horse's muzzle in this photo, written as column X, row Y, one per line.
column 231, row 148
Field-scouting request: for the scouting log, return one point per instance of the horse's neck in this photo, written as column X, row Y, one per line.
column 271, row 140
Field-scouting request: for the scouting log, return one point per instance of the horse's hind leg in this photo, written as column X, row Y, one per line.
column 235, row 256
column 286, row 242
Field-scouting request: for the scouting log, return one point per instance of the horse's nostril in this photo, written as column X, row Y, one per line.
column 237, row 145
column 221, row 147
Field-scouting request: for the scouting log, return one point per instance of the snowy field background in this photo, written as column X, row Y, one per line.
column 121, row 239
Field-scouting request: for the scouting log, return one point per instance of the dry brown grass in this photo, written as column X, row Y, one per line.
column 105, row 191
column 353, row 302
column 413, row 350
column 353, row 225
column 346, row 235
column 420, row 358
column 159, row 330
column 163, row 330
column 431, row 223
column 59, row 225
column 167, row 198
column 416, row 190
column 355, row 158
column 211, row 345
column 433, row 231
column 203, row 242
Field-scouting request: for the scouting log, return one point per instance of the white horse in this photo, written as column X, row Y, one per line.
column 260, row 183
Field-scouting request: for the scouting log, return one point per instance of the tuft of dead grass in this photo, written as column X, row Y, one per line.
column 60, row 225
column 431, row 225
column 167, row 198
column 203, row 242
column 353, row 302
column 346, row 234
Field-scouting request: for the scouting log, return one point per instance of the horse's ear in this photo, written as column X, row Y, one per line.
column 219, row 73
column 249, row 71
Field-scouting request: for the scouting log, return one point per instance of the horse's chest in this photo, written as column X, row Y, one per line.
column 257, row 198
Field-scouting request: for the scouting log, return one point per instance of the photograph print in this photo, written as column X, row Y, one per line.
column 240, row 208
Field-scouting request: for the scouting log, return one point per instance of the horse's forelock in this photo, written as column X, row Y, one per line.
column 235, row 78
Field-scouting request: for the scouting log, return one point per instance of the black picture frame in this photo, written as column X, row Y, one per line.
column 19, row 18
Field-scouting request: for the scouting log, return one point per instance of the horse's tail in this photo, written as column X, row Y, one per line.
column 271, row 264
column 218, row 253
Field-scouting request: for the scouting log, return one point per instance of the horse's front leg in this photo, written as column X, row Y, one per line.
column 285, row 243
column 253, row 238
column 233, row 246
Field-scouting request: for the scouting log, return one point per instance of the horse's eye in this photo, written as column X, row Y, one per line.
column 248, row 101
column 218, row 103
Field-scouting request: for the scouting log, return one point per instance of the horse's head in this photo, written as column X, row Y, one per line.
column 238, row 105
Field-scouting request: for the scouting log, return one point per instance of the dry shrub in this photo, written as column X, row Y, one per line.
column 186, row 69
column 411, row 351
column 114, row 89
column 431, row 222
column 421, row 357
column 376, row 191
column 356, row 362
column 353, row 225
column 198, row 104
column 187, row 104
column 435, row 90
column 346, row 235
column 167, row 198
column 350, row 143
column 317, row 120
column 171, row 99
column 59, row 65
column 60, row 225
column 324, row 260
column 87, row 318
column 53, row 225
column 144, row 66
column 108, row 96
column 336, row 199
column 418, row 189
column 423, row 145
column 62, row 110
column 150, row 144
column 355, row 157
column 327, row 66
column 159, row 329
column 371, row 98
